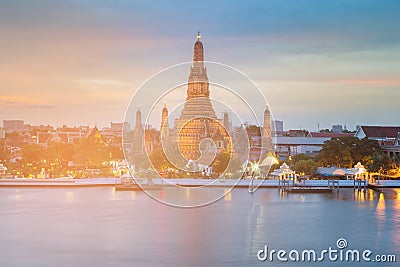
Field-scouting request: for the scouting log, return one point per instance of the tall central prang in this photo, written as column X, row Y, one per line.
column 198, row 120
column 198, row 81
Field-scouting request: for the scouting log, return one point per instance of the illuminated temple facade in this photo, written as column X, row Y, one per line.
column 198, row 120
column 197, row 131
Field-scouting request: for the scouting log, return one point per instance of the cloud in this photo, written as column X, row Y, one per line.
column 24, row 102
column 90, row 57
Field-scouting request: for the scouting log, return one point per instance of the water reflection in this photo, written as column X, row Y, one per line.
column 283, row 194
column 359, row 195
column 17, row 194
column 255, row 229
column 187, row 193
column 122, row 195
column 380, row 207
column 380, row 214
column 371, row 194
column 228, row 195
column 396, row 217
column 69, row 196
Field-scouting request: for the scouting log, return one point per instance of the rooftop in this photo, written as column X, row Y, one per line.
column 381, row 131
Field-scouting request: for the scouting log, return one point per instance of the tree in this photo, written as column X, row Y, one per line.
column 59, row 152
column 303, row 163
column 306, row 166
column 378, row 161
column 115, row 153
column 299, row 157
column 57, row 156
column 253, row 130
column 347, row 151
column 330, row 154
column 4, row 152
column 221, row 162
column 91, row 152
column 325, row 131
column 32, row 153
column 159, row 160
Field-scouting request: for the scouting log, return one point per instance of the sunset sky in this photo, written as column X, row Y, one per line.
column 79, row 62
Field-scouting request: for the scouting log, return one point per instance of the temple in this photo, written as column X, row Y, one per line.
column 198, row 136
column 198, row 120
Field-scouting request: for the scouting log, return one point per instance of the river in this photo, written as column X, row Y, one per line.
column 96, row 226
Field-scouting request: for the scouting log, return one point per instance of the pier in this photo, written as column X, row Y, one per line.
column 334, row 184
column 360, row 184
column 291, row 187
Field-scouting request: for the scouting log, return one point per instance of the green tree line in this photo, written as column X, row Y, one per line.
column 345, row 152
column 90, row 152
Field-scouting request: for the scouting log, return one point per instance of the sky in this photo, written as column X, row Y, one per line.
column 80, row 62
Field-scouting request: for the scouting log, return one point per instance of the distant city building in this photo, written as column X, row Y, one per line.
column 2, row 133
column 296, row 133
column 83, row 129
column 44, row 138
column 41, row 128
column 278, row 127
column 337, row 128
column 286, row 146
column 113, row 134
column 65, row 128
column 119, row 126
column 13, row 125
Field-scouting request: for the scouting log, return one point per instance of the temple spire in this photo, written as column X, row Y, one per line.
column 164, row 129
column 198, row 52
column 138, row 123
column 198, row 119
column 266, row 136
column 198, row 81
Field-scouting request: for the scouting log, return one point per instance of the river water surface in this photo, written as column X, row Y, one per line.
column 100, row 227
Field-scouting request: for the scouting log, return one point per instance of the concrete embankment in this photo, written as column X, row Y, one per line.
column 65, row 182
column 59, row 182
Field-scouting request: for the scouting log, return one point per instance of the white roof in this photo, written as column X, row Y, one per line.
column 308, row 141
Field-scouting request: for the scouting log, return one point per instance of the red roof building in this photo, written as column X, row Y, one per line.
column 377, row 132
column 328, row 135
column 387, row 136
